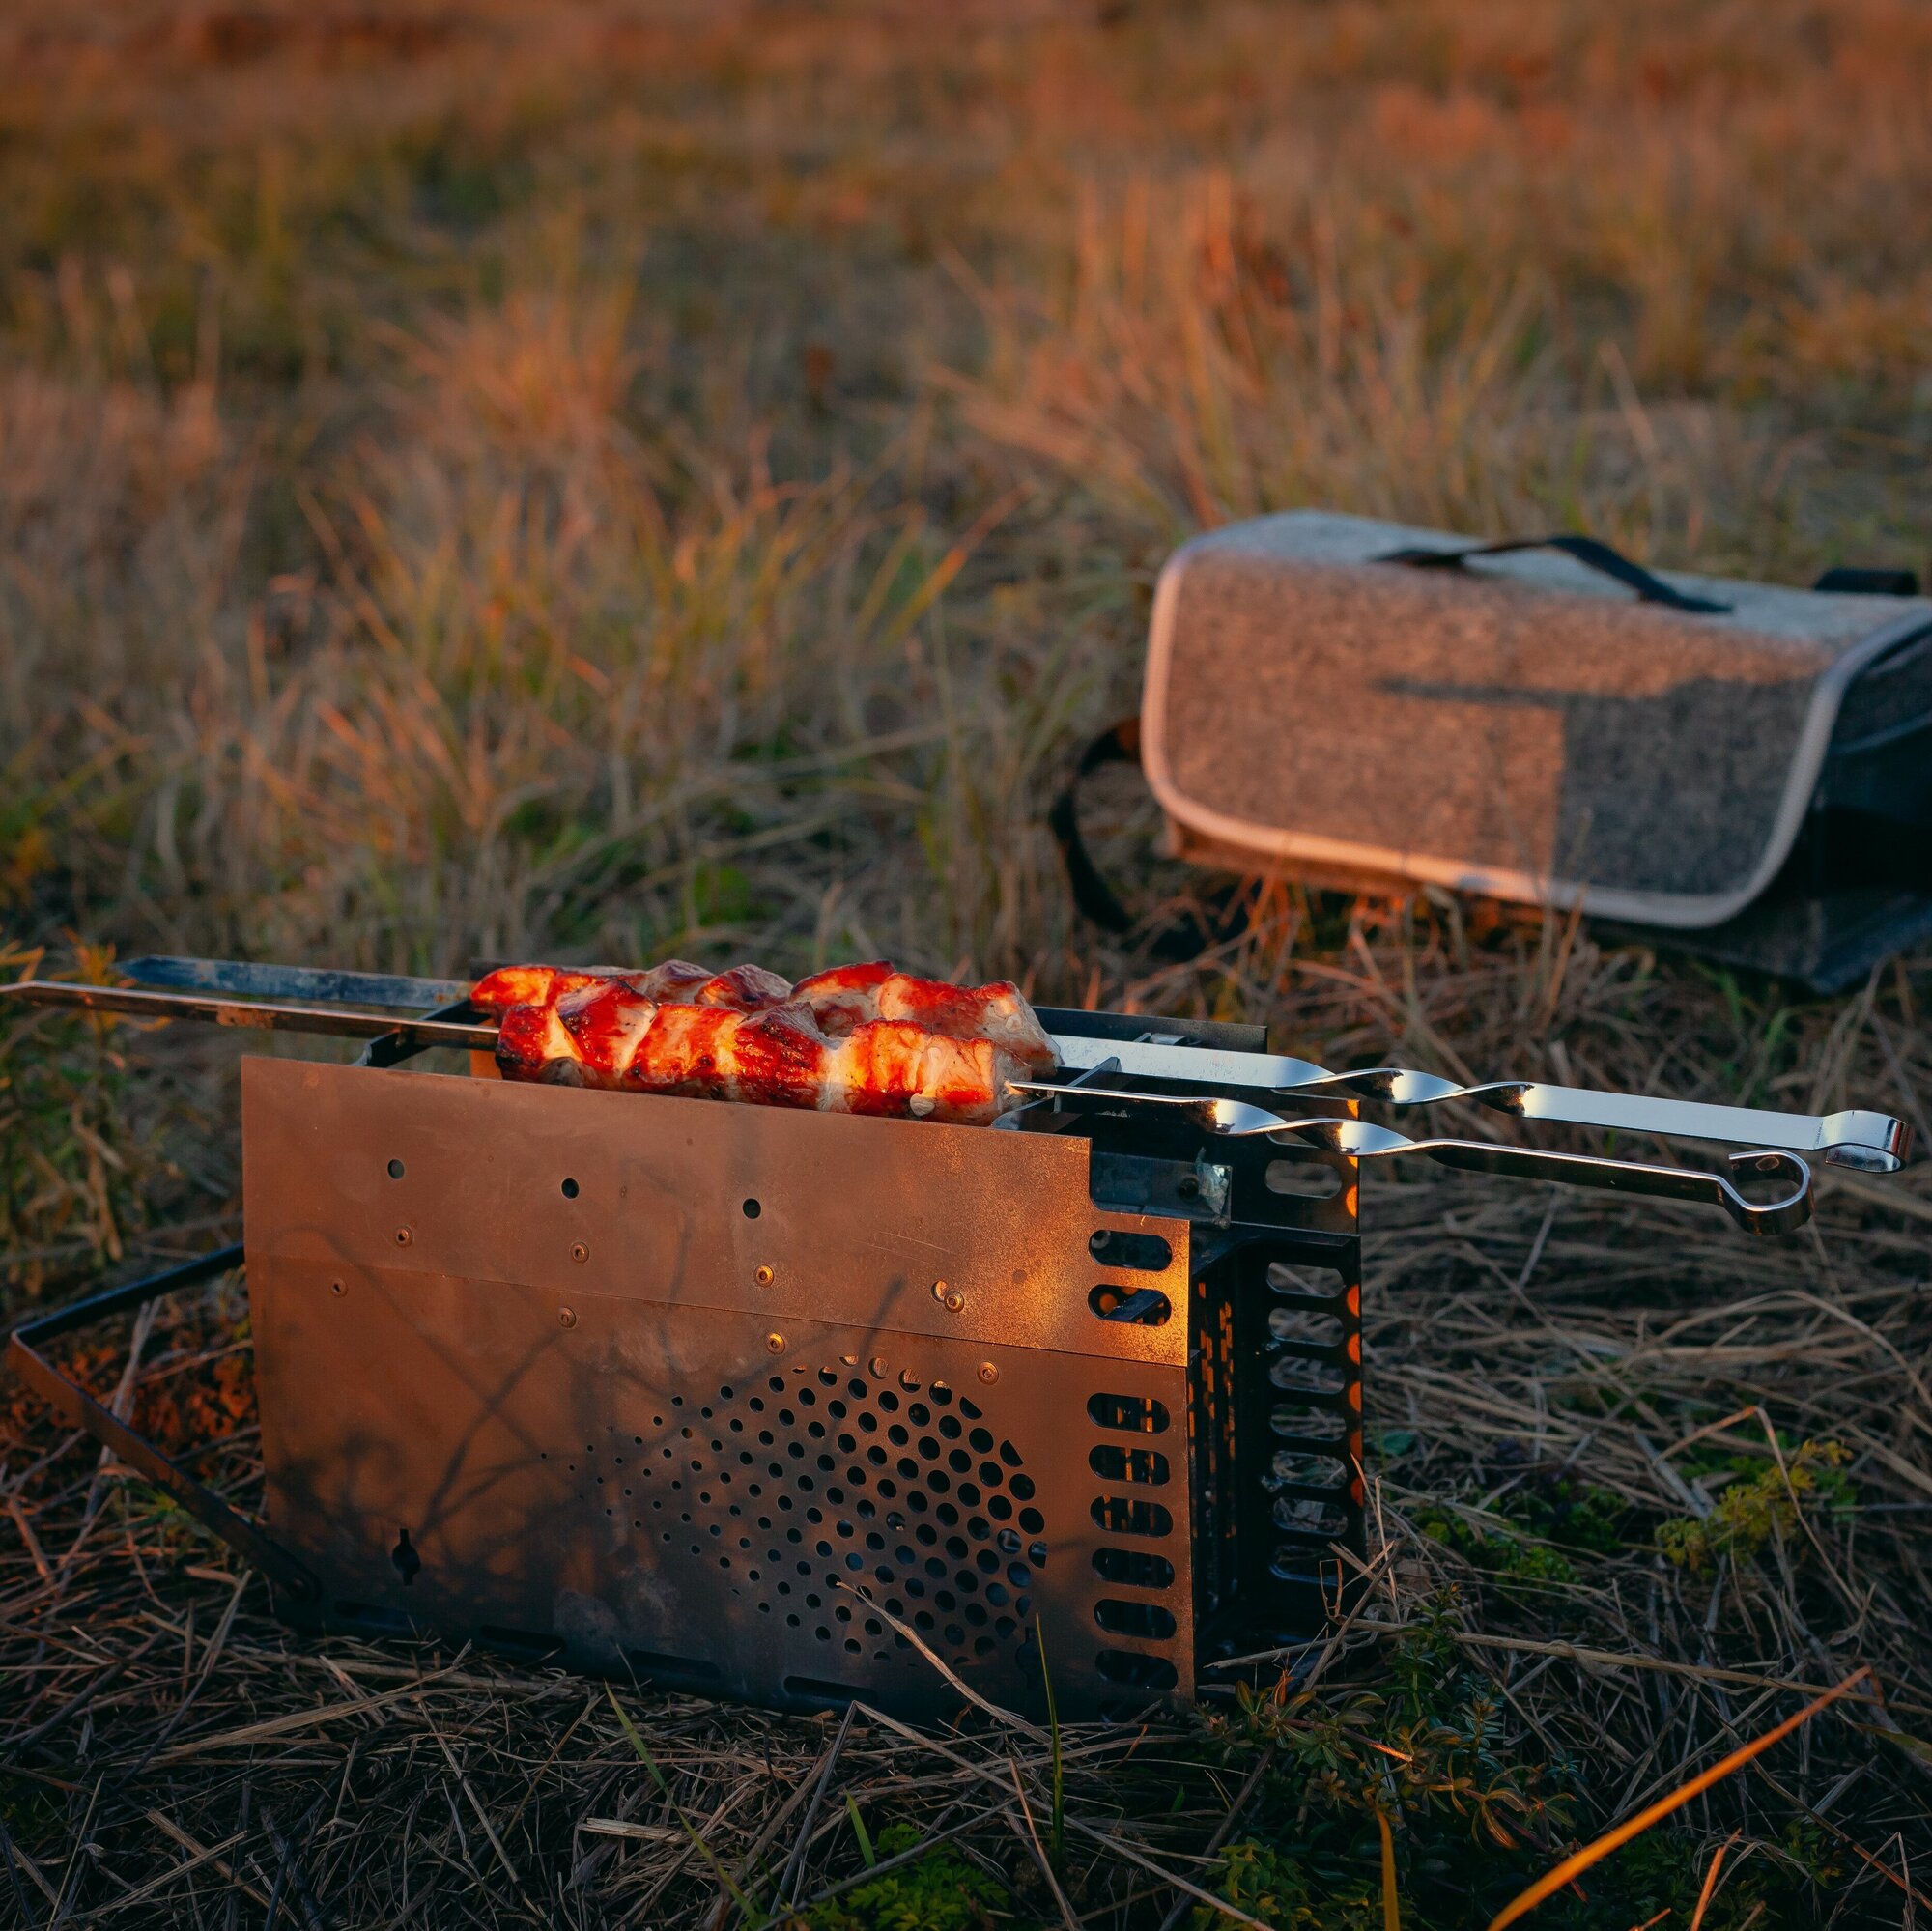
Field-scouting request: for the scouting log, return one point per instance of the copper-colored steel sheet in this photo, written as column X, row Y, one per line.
column 701, row 1389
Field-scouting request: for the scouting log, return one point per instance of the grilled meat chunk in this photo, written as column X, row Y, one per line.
column 745, row 988
column 528, row 985
column 730, row 1036
column 848, row 996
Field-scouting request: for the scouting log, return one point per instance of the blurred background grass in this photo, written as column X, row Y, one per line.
column 630, row 479
column 616, row 480
column 642, row 478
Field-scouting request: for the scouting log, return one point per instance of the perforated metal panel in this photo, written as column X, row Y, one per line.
column 728, row 1397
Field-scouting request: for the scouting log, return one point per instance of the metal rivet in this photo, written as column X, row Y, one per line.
column 988, row 1373
column 879, row 1365
column 953, row 1300
column 336, row 1287
column 775, row 1343
column 579, row 1251
column 765, row 1276
column 567, row 1317
column 404, row 1236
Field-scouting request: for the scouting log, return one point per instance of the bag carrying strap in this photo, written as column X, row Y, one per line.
column 1587, row 549
column 1118, row 744
column 1186, row 937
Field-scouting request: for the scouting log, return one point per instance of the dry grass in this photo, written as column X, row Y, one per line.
column 628, row 481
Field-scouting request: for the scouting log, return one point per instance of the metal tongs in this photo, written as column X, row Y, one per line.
column 1872, row 1143
column 1362, row 1140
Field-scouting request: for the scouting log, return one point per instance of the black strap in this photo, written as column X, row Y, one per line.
column 1870, row 583
column 1587, row 549
column 1185, row 937
column 1118, row 744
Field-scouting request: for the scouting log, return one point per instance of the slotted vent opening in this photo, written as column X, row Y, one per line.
column 1134, row 1415
column 822, row 1495
column 1304, row 1282
column 1303, row 1516
column 1114, row 1463
column 1135, row 1519
column 1129, row 1515
column 1153, row 1622
column 1298, row 1422
column 1309, row 1326
column 1136, row 1568
column 1308, row 1472
column 1136, row 1668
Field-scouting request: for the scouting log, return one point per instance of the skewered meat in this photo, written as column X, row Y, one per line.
column 528, row 985
column 846, row 996
column 857, row 1039
column 745, row 988
column 608, row 1035
column 840, row 998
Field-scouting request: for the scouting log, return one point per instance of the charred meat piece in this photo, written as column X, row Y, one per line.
column 608, row 1035
column 848, row 996
column 892, row 1067
column 745, row 988
column 529, row 985
column 845, row 996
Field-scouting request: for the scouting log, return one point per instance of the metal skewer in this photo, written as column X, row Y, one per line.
column 339, row 1021
column 1870, row 1142
column 1362, row 1140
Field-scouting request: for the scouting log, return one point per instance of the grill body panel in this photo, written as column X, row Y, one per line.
column 791, row 1406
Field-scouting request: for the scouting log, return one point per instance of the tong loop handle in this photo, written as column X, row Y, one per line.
column 1770, row 1218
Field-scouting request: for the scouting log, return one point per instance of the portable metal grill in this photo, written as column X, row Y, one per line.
column 795, row 1407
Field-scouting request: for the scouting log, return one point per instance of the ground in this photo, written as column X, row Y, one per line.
column 624, row 480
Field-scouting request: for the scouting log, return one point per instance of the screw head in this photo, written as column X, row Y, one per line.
column 579, row 1251
column 404, row 1236
column 764, row 1276
column 566, row 1317
column 988, row 1373
column 775, row 1343
column 954, row 1300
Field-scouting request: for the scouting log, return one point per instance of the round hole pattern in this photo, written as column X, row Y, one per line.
column 822, row 1495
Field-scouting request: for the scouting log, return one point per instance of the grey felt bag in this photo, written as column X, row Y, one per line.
column 1741, row 768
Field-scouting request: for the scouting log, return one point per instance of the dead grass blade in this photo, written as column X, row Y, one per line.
column 691, row 1832
column 1594, row 1853
column 1391, row 1907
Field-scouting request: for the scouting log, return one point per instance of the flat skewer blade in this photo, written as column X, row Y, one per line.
column 312, row 984
column 337, row 1021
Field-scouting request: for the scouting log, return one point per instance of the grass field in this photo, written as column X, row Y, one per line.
column 618, row 481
